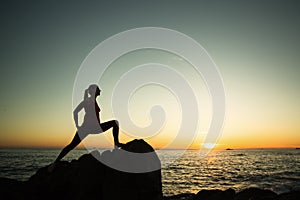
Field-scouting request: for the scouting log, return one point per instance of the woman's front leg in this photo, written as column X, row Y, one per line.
column 114, row 124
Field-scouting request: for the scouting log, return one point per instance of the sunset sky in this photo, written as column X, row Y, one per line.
column 255, row 45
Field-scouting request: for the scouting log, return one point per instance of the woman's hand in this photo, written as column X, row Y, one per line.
column 77, row 126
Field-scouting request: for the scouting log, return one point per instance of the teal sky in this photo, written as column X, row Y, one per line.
column 255, row 44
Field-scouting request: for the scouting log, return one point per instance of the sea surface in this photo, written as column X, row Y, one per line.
column 275, row 169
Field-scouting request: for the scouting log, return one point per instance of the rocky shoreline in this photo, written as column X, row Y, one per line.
column 12, row 189
column 87, row 178
column 230, row 194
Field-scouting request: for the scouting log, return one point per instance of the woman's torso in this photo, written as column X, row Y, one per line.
column 91, row 123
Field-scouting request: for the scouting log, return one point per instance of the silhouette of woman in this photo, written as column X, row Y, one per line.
column 91, row 123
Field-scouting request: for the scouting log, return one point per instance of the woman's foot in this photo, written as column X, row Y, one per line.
column 118, row 145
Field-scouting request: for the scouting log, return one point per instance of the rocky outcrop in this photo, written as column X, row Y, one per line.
column 255, row 193
column 88, row 178
column 230, row 194
column 215, row 194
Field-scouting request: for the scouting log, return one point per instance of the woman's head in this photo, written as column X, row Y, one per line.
column 94, row 90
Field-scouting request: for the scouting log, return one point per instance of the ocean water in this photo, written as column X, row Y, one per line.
column 275, row 169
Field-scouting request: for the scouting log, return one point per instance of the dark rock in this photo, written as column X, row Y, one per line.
column 215, row 195
column 138, row 146
column 184, row 196
column 207, row 194
column 11, row 189
column 255, row 194
column 125, row 185
column 88, row 178
column 7, row 182
column 293, row 195
column 229, row 193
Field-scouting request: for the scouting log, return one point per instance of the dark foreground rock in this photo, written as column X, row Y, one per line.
column 215, row 194
column 87, row 178
column 255, row 193
column 230, row 194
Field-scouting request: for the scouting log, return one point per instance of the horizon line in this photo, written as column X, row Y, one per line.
column 89, row 148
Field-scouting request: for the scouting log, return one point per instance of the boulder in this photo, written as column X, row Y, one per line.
column 215, row 195
column 11, row 189
column 293, row 195
column 183, row 196
column 132, row 185
column 88, row 178
column 255, row 194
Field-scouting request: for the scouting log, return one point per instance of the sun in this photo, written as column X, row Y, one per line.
column 209, row 145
